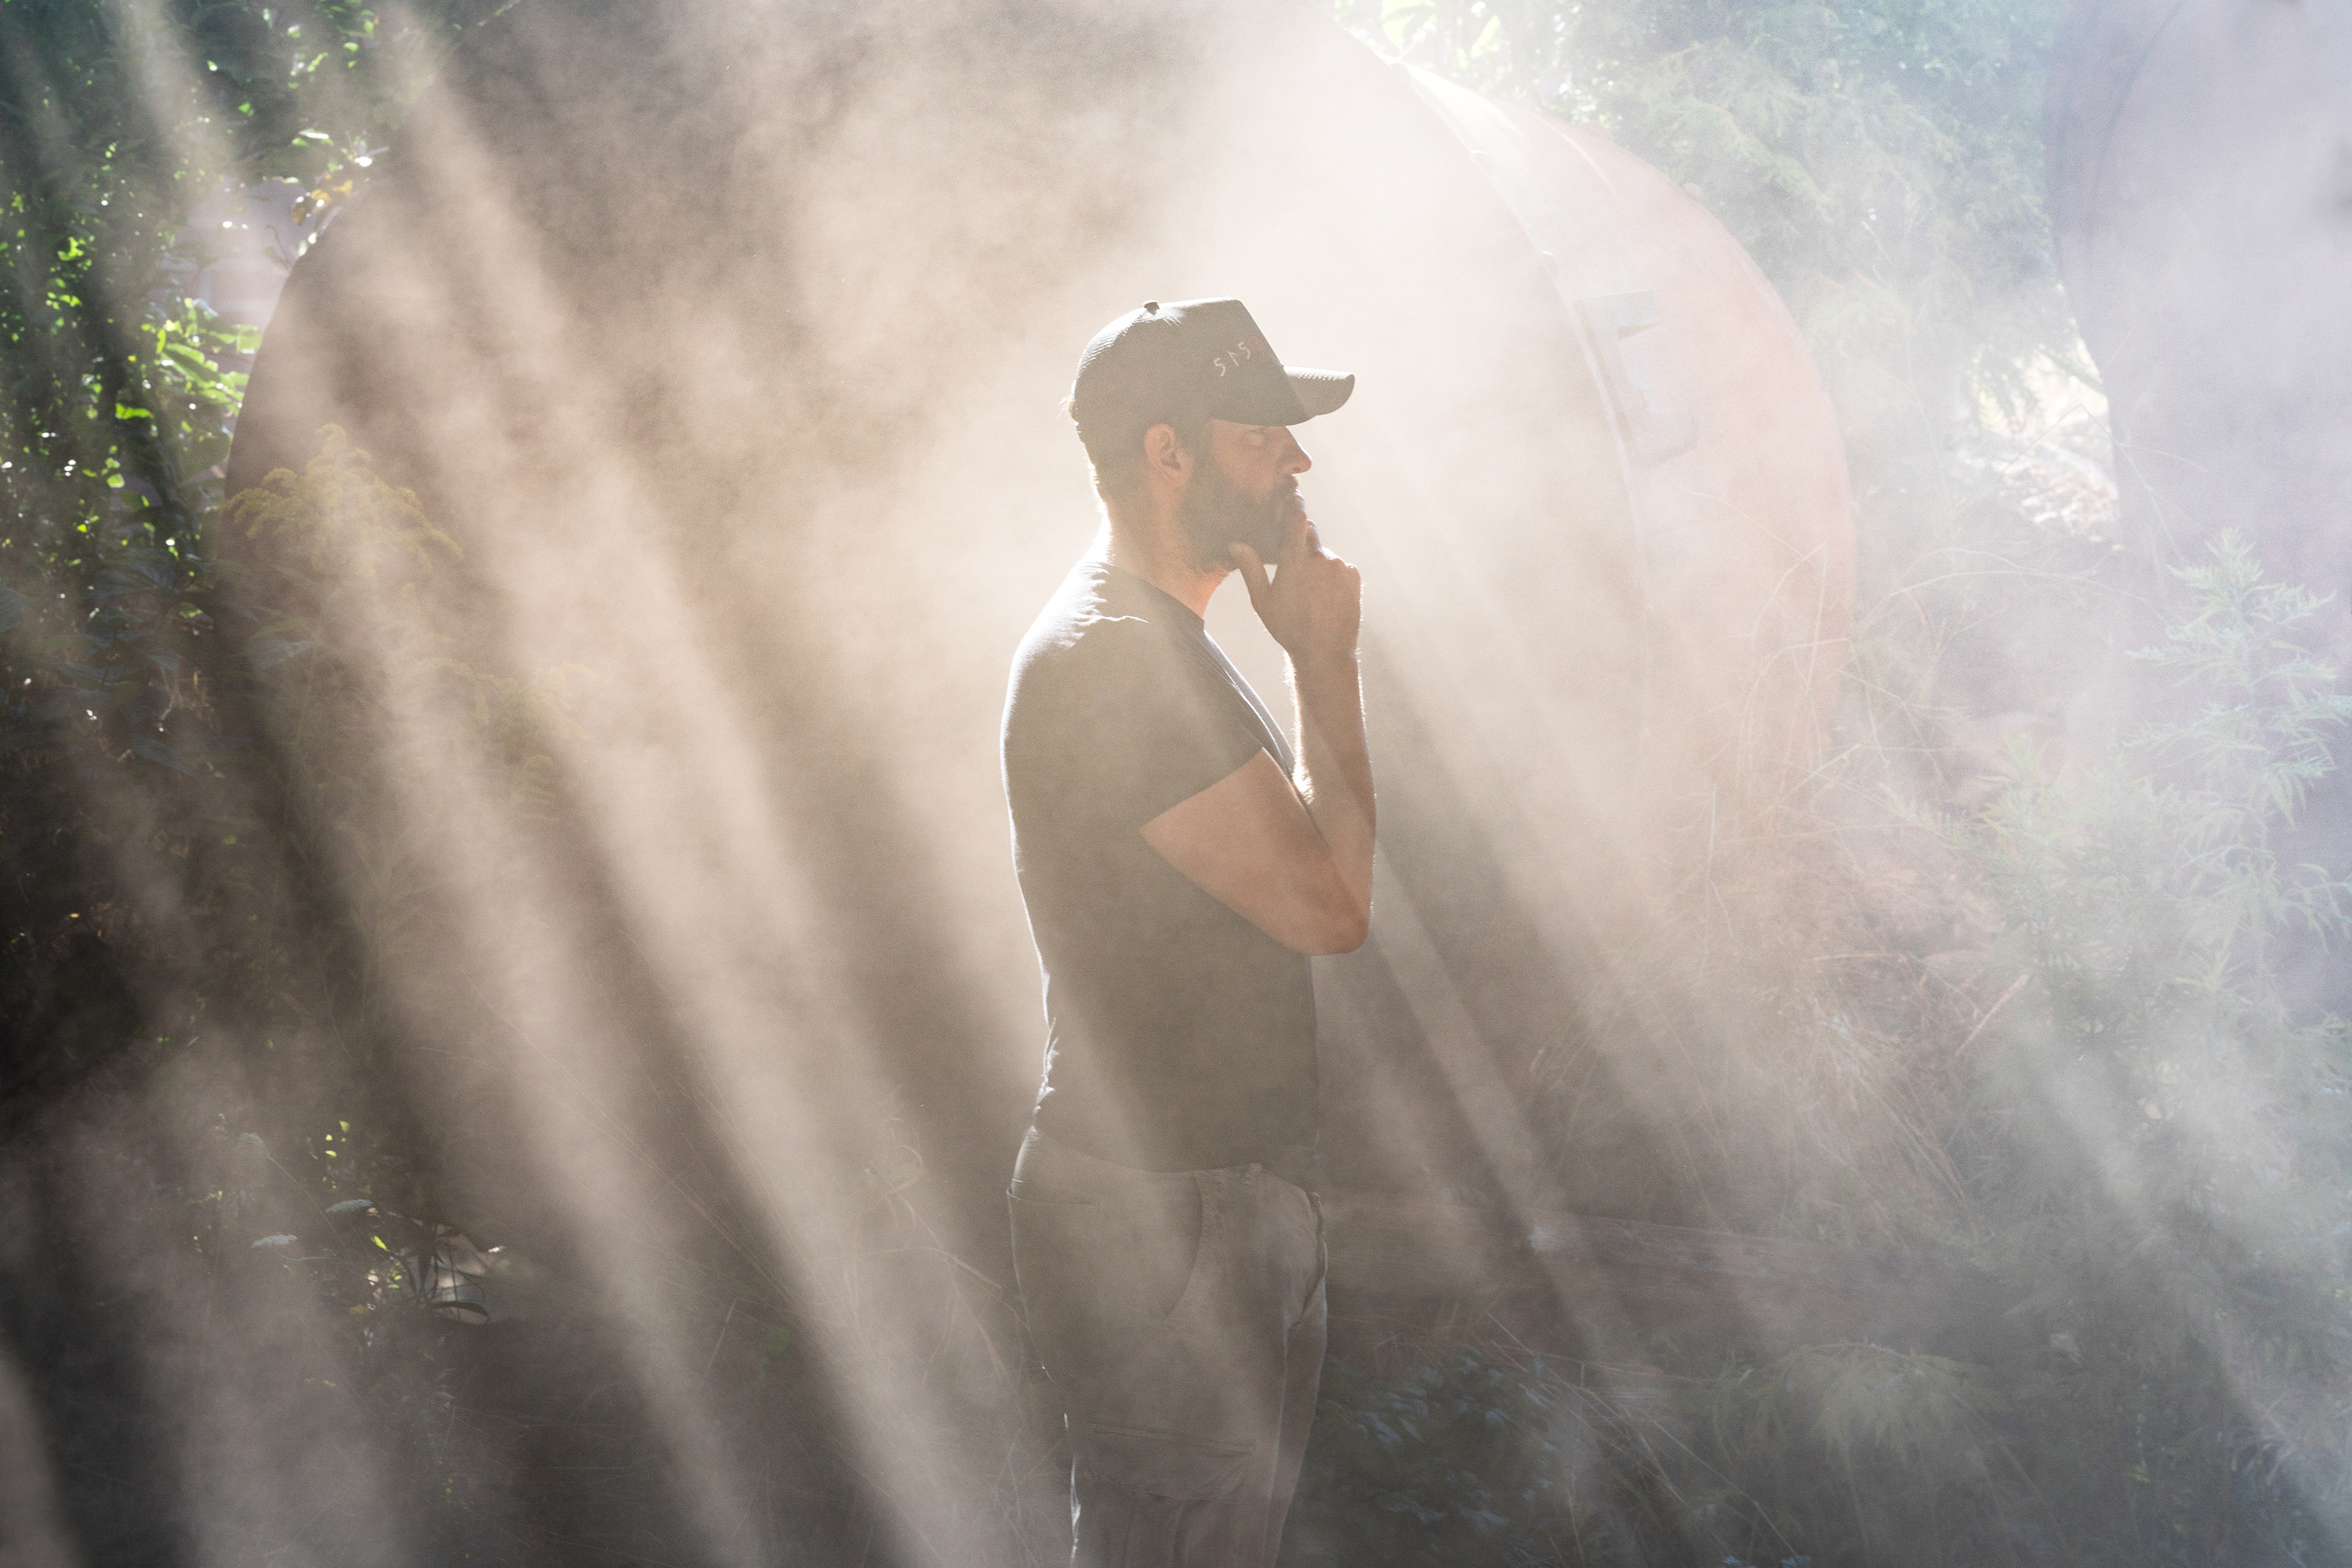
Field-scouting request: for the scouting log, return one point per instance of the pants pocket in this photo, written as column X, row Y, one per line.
column 1153, row 1462
column 1152, row 1242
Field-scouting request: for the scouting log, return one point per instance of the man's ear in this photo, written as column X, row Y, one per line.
column 1165, row 455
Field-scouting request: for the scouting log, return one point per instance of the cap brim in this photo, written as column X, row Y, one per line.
column 1319, row 391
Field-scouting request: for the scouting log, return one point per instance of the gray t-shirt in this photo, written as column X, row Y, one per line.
column 1178, row 1035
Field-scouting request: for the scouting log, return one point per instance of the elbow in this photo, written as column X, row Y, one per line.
column 1334, row 932
column 1352, row 935
column 1318, row 914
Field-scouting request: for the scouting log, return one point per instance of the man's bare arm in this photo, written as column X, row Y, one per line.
column 1295, row 862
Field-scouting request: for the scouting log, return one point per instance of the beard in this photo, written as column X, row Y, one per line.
column 1216, row 514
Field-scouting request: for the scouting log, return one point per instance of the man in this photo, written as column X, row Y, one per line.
column 1180, row 863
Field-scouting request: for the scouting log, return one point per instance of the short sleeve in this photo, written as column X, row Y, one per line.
column 1128, row 723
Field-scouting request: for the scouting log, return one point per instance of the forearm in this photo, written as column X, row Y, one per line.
column 1335, row 767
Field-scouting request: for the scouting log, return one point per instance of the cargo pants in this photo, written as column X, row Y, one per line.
column 1180, row 1316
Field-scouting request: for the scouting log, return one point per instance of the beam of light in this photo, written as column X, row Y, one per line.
column 738, row 387
column 789, row 498
column 32, row 1526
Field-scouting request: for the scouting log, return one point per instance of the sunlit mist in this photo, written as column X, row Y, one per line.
column 649, row 466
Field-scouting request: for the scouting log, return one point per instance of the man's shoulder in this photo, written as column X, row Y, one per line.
column 1088, row 631
column 1095, row 664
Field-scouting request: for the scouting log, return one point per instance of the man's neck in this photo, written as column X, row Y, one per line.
column 1155, row 553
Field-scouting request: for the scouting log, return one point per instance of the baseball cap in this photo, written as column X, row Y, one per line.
column 1192, row 359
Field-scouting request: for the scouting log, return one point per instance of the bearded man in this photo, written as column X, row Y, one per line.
column 1180, row 862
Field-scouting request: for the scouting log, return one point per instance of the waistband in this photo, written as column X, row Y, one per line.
column 1046, row 1167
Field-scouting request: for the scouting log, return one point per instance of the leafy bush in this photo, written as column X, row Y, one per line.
column 1881, row 161
column 1485, row 1455
column 1477, row 1458
column 121, row 393
column 2150, row 1147
column 2162, row 1146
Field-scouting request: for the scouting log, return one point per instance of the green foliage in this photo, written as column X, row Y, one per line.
column 115, row 414
column 2144, row 1140
column 191, row 391
column 2057, row 1032
column 367, row 690
column 2137, row 1132
column 1846, row 1448
column 1853, row 1397
column 2259, row 738
column 1513, row 1460
column 2142, row 897
column 2164, row 1145
column 1475, row 1459
column 115, row 121
column 362, row 1259
column 1881, row 159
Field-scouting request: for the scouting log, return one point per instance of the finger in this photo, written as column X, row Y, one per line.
column 1297, row 536
column 1253, row 570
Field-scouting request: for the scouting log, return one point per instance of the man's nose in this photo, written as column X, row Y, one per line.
column 1295, row 461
